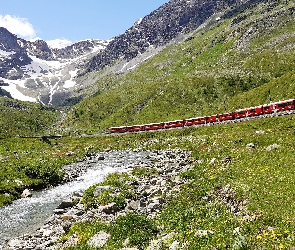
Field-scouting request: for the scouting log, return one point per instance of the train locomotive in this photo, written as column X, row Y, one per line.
column 266, row 109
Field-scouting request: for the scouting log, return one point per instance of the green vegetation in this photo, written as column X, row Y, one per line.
column 117, row 181
column 25, row 118
column 245, row 60
column 137, row 171
column 238, row 62
column 245, row 202
column 136, row 227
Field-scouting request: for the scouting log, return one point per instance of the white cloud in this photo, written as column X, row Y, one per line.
column 59, row 43
column 18, row 26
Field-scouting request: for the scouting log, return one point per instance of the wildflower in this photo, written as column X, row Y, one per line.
column 259, row 237
column 281, row 246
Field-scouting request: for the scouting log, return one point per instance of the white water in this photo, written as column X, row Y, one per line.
column 27, row 215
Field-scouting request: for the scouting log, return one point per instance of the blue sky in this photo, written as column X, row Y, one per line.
column 73, row 20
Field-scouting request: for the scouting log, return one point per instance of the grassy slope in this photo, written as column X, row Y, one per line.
column 231, row 64
column 24, row 118
column 189, row 79
column 263, row 180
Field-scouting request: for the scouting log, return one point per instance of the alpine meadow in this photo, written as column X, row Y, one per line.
column 227, row 185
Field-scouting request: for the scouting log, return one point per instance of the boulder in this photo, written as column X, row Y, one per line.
column 272, row 147
column 65, row 204
column 250, row 145
column 109, row 208
column 26, row 193
column 99, row 240
column 133, row 205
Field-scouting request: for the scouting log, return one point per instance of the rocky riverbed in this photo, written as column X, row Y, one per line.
column 149, row 190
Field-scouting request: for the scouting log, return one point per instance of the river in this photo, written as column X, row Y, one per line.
column 26, row 215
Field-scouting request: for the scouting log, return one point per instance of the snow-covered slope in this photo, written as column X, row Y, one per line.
column 32, row 71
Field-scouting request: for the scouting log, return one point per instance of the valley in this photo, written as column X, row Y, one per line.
column 237, row 190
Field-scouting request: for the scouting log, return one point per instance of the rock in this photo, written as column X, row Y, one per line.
column 174, row 245
column 109, row 208
column 19, row 183
column 133, row 205
column 15, row 243
column 227, row 160
column 100, row 158
column 126, row 242
column 26, row 193
column 99, row 240
column 203, row 233
column 65, row 204
column 260, row 132
column 99, row 189
column 213, row 160
column 58, row 211
column 67, row 217
column 250, row 145
column 153, row 206
column 272, row 147
column 48, row 233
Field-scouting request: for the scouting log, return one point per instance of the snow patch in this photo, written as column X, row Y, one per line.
column 59, row 43
column 71, row 83
column 6, row 53
column 16, row 94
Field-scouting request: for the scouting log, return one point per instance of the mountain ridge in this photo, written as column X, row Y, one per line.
column 159, row 28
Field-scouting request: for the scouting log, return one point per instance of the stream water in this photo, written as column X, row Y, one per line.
column 26, row 215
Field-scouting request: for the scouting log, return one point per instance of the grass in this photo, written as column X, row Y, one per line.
column 137, row 228
column 222, row 67
column 238, row 197
column 115, row 181
column 25, row 119
column 244, row 203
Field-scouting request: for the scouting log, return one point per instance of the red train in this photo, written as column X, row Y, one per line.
column 238, row 114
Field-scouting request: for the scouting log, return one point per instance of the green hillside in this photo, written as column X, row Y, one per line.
column 25, row 118
column 238, row 61
column 240, row 192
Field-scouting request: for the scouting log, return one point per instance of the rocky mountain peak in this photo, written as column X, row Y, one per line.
column 32, row 71
column 175, row 18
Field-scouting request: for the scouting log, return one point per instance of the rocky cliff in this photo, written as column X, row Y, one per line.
column 32, row 71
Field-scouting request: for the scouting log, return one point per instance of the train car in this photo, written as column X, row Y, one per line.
column 138, row 128
column 255, row 111
column 285, row 105
column 129, row 129
column 210, row 119
column 121, row 129
column 200, row 121
column 189, row 122
column 226, row 116
column 241, row 113
column 174, row 124
column 154, row 126
column 269, row 108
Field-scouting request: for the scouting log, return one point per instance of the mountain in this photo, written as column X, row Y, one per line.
column 168, row 22
column 35, row 72
column 32, row 71
column 239, row 58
